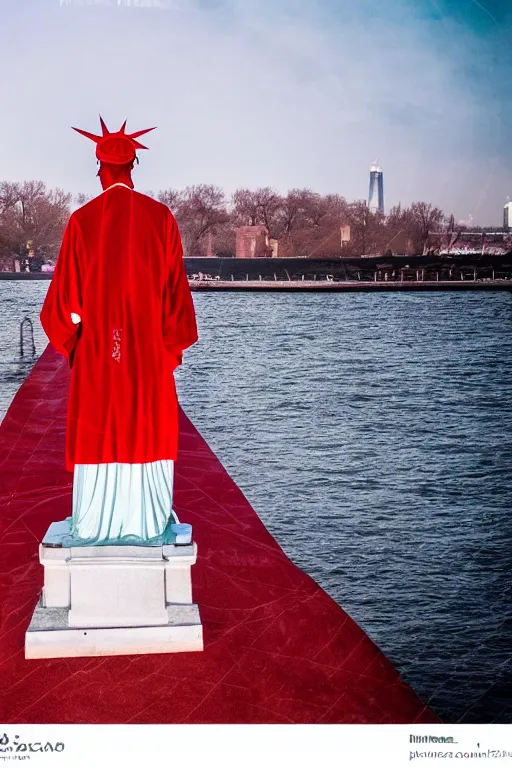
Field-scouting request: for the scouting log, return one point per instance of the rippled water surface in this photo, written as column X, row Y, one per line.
column 371, row 433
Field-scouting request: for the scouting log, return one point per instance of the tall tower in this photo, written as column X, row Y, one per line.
column 376, row 193
column 507, row 215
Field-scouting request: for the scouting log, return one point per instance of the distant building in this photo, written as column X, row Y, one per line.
column 376, row 193
column 507, row 215
column 252, row 242
column 345, row 234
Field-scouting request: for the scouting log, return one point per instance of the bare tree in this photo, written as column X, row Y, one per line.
column 366, row 229
column 199, row 210
column 246, row 208
column 32, row 214
column 263, row 206
column 270, row 203
column 424, row 219
column 293, row 207
column 397, row 230
column 303, row 221
column 317, row 229
column 420, row 229
column 170, row 197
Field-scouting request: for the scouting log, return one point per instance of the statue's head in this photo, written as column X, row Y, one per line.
column 116, row 153
column 112, row 173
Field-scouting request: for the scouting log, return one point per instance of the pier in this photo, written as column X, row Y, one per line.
column 331, row 286
column 319, row 286
column 278, row 649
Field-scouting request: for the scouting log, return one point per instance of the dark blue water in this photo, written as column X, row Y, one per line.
column 371, row 433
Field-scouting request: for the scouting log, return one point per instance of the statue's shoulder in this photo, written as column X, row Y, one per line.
column 86, row 209
column 93, row 209
column 152, row 205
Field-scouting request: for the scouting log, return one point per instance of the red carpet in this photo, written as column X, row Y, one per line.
column 277, row 648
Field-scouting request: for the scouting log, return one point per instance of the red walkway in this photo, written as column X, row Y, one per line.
column 277, row 648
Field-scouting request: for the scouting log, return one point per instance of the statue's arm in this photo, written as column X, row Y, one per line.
column 64, row 295
column 179, row 319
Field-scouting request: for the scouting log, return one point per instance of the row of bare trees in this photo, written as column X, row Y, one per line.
column 305, row 223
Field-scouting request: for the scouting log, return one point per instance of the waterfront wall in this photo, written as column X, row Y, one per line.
column 419, row 268
column 427, row 267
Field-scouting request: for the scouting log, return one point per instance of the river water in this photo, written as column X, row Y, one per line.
column 371, row 433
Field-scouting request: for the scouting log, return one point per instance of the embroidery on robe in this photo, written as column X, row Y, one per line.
column 117, row 334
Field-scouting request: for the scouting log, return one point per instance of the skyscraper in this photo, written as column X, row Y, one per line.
column 376, row 193
column 507, row 215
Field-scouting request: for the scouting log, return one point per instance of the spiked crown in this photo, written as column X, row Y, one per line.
column 118, row 148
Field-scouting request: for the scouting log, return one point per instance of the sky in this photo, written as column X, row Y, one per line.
column 280, row 93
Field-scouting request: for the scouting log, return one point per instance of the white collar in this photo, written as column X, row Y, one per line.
column 118, row 184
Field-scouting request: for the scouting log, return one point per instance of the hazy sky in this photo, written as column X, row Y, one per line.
column 284, row 93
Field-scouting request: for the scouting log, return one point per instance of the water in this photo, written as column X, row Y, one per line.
column 18, row 300
column 371, row 433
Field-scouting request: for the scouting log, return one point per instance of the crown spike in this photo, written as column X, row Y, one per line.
column 88, row 135
column 104, row 129
column 122, row 128
column 140, row 133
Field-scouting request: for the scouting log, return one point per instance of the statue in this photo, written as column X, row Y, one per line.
column 117, row 573
column 119, row 308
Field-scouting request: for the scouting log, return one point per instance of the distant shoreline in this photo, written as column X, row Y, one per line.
column 319, row 286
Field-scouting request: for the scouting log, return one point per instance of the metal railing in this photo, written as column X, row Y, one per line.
column 27, row 323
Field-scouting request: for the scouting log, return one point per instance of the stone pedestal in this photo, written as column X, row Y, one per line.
column 113, row 600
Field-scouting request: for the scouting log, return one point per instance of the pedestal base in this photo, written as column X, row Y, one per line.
column 49, row 636
column 113, row 600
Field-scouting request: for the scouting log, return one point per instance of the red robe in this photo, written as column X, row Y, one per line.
column 121, row 269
